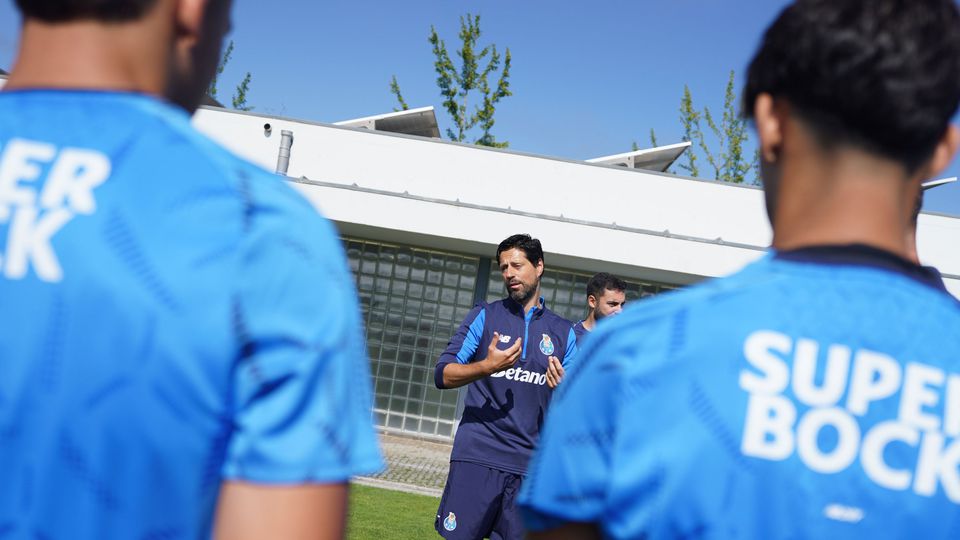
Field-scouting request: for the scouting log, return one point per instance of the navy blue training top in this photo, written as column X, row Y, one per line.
column 581, row 332
column 503, row 414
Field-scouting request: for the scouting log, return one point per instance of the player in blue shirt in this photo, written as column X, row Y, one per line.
column 606, row 296
column 179, row 335
column 816, row 393
column 512, row 353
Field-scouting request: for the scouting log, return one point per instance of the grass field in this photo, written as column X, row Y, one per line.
column 380, row 514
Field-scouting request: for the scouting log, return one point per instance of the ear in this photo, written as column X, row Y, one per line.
column 944, row 153
column 769, row 127
column 190, row 14
column 592, row 301
column 540, row 268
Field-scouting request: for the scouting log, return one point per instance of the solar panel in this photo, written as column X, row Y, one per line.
column 651, row 159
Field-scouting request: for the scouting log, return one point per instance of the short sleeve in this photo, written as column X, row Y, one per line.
column 576, row 472
column 302, row 398
column 463, row 346
column 570, row 354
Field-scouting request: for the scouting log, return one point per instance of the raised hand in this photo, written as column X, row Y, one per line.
column 554, row 372
column 498, row 360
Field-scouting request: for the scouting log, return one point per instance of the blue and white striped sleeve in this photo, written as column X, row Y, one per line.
column 464, row 344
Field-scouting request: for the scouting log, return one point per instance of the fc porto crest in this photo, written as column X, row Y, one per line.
column 450, row 523
column 546, row 345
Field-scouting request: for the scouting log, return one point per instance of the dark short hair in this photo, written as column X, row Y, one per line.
column 879, row 75
column 525, row 243
column 603, row 281
column 70, row 10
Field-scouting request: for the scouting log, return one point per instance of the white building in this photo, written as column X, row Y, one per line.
column 421, row 219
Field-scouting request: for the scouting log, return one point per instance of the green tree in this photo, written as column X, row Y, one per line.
column 722, row 147
column 239, row 98
column 726, row 157
column 690, row 120
column 395, row 90
column 471, row 80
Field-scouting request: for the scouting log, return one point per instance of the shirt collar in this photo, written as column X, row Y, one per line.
column 864, row 255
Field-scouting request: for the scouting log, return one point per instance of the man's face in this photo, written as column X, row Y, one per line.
column 610, row 303
column 520, row 276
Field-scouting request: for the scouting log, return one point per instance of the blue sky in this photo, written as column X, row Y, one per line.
column 588, row 78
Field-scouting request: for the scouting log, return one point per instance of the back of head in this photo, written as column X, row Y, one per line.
column 54, row 11
column 879, row 75
column 167, row 48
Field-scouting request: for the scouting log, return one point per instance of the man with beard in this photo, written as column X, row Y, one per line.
column 181, row 354
column 511, row 353
column 606, row 296
column 807, row 395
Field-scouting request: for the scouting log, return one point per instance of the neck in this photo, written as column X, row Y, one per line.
column 849, row 197
column 533, row 301
column 590, row 321
column 93, row 55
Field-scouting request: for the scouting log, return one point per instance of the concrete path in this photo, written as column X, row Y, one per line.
column 413, row 465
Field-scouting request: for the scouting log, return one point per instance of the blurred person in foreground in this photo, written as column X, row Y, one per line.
column 180, row 348
column 816, row 393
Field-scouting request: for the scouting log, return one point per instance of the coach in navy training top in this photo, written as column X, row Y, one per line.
column 512, row 353
column 606, row 296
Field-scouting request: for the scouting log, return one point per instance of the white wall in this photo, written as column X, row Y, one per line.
column 468, row 197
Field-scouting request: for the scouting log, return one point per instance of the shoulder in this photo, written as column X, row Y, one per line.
column 273, row 211
column 652, row 327
column 555, row 321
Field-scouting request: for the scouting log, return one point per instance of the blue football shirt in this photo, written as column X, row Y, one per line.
column 815, row 394
column 171, row 317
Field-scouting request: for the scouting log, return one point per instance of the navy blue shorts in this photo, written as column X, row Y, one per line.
column 478, row 502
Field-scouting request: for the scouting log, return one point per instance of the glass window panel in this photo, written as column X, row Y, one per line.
column 449, row 398
column 411, row 424
column 430, row 410
column 451, row 280
column 434, row 395
column 414, row 407
column 385, row 370
column 448, row 295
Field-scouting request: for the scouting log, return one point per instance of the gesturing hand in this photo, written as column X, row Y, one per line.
column 554, row 372
column 498, row 360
